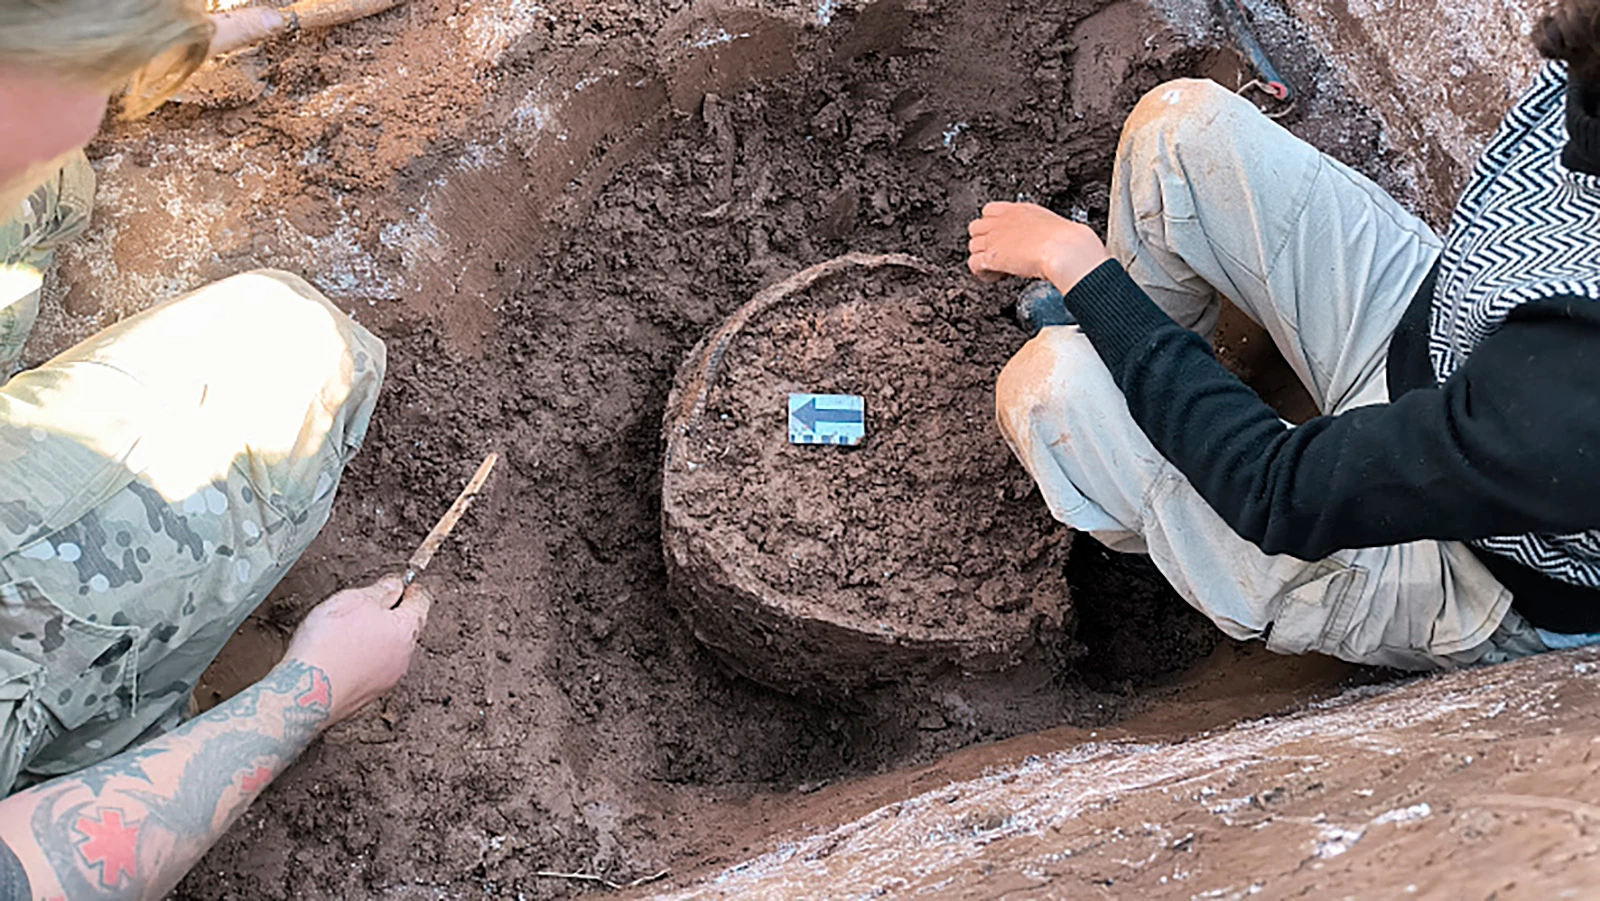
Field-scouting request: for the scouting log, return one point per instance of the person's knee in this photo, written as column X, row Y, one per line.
column 260, row 363
column 314, row 345
column 1026, row 375
column 1176, row 112
column 282, row 292
column 271, row 319
column 1047, row 374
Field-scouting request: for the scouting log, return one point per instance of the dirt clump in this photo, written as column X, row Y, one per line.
column 824, row 569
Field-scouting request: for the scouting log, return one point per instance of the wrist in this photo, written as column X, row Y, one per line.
column 1066, row 270
column 1076, row 252
column 314, row 691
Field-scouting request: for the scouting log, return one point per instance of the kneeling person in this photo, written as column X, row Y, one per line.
column 1444, row 510
column 156, row 482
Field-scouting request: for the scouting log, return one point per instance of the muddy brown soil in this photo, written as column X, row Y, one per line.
column 1135, row 630
column 823, row 570
column 542, row 210
column 1479, row 784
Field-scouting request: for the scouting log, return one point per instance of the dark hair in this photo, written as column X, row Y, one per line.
column 1571, row 32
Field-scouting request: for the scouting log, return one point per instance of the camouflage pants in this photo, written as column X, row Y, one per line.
column 156, row 482
column 55, row 213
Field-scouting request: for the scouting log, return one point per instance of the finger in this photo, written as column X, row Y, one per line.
column 978, row 245
column 979, row 227
column 240, row 27
column 416, row 604
column 984, row 267
column 996, row 207
column 982, row 274
column 386, row 591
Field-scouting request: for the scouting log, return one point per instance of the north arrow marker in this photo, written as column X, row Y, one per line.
column 827, row 419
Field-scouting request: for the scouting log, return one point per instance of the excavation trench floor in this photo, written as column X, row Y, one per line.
column 541, row 210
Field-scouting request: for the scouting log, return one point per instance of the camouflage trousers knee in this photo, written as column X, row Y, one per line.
column 156, row 482
column 53, row 214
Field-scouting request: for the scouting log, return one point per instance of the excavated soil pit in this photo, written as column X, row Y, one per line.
column 542, row 208
column 822, row 570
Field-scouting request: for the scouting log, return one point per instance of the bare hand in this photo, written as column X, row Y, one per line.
column 362, row 644
column 1027, row 240
column 242, row 27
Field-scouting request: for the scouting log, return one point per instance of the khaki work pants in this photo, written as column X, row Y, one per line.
column 1210, row 199
column 156, row 482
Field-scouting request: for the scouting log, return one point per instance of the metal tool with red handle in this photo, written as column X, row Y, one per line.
column 1267, row 77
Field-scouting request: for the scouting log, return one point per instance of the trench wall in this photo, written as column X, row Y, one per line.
column 1441, row 75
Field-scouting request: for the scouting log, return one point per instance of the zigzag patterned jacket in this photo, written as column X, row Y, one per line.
column 1492, row 433
column 1525, row 243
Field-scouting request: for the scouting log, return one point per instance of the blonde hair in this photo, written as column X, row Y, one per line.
column 150, row 47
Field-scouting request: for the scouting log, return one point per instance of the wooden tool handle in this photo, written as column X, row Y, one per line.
column 447, row 524
column 328, row 13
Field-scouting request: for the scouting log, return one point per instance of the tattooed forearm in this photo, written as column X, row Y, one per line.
column 241, row 763
column 132, row 826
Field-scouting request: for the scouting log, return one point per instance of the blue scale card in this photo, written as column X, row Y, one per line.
column 827, row 419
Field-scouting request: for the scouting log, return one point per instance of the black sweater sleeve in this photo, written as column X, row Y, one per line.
column 1508, row 445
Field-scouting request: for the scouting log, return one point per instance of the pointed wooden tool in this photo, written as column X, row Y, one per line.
column 447, row 524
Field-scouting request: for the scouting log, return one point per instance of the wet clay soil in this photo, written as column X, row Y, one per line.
column 1478, row 784
column 926, row 545
column 538, row 278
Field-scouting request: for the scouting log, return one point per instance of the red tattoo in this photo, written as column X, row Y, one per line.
column 253, row 782
column 320, row 694
column 110, row 845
